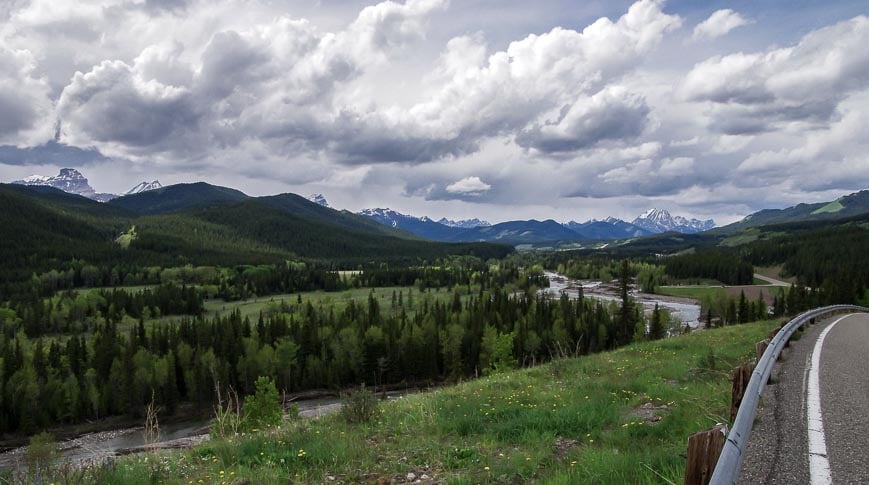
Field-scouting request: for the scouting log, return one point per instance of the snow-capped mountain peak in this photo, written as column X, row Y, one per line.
column 660, row 220
column 68, row 180
column 386, row 216
column 34, row 180
column 464, row 223
column 318, row 199
column 144, row 187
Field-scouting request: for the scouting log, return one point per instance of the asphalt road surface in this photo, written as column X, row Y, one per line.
column 836, row 410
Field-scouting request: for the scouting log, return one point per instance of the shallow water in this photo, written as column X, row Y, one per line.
column 686, row 313
column 98, row 447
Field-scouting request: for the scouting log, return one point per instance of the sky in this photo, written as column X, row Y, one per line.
column 497, row 109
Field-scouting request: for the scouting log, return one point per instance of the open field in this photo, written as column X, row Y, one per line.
column 618, row 417
column 411, row 299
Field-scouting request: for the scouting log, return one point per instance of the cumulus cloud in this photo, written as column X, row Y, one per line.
column 400, row 96
column 273, row 81
column 285, row 82
column 611, row 114
column 468, row 186
column 758, row 92
column 720, row 23
column 525, row 89
column 117, row 107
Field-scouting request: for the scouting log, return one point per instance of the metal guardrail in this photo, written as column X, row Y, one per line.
column 730, row 462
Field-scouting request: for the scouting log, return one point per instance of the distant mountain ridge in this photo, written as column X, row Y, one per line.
column 68, row 180
column 421, row 226
column 849, row 205
column 177, row 198
column 609, row 228
column 201, row 224
column 532, row 231
column 464, row 223
column 72, row 181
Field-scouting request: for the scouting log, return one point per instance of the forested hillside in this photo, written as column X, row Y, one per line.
column 45, row 230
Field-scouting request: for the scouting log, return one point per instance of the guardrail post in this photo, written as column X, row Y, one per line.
column 704, row 448
column 741, row 376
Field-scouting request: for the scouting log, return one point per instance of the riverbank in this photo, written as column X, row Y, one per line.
column 616, row 417
column 95, row 443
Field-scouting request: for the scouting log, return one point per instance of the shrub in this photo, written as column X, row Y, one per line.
column 706, row 363
column 263, row 409
column 41, row 452
column 360, row 406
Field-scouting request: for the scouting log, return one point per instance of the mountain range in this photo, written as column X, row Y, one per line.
column 654, row 221
column 151, row 198
column 846, row 206
column 72, row 181
column 200, row 224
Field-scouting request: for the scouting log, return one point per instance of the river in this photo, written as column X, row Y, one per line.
column 684, row 310
column 102, row 446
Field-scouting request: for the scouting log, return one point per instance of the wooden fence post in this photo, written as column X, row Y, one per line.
column 704, row 448
column 741, row 376
column 759, row 349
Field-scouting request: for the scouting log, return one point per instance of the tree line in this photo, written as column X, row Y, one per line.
column 109, row 371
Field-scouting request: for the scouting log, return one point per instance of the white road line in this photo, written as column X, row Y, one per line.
column 819, row 465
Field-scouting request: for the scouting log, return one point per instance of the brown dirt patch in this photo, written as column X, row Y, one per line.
column 563, row 446
column 648, row 413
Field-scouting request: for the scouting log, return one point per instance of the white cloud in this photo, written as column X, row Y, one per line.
column 468, row 186
column 720, row 23
column 406, row 99
column 758, row 92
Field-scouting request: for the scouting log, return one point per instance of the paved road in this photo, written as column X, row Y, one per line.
column 771, row 281
column 779, row 448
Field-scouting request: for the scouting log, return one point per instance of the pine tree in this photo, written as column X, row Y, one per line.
column 656, row 327
column 627, row 320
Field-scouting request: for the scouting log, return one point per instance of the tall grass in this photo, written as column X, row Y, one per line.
column 617, row 417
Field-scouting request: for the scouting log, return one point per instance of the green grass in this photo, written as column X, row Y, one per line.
column 126, row 238
column 830, row 208
column 570, row 421
column 338, row 300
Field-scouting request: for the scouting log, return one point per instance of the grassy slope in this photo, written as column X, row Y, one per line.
column 517, row 426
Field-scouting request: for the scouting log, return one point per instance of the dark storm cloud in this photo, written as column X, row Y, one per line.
column 612, row 114
column 51, row 153
column 17, row 114
column 110, row 104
